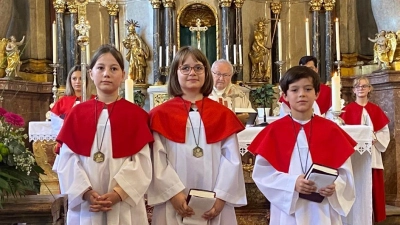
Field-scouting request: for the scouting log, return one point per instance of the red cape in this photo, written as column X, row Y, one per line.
column 64, row 105
column 324, row 100
column 129, row 128
column 329, row 144
column 170, row 118
column 353, row 114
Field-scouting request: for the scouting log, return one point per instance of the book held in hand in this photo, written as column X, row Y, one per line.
column 322, row 177
column 200, row 201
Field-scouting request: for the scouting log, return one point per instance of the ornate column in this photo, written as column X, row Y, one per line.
column 156, row 39
column 239, row 40
column 276, row 8
column 168, row 5
column 59, row 6
column 112, row 10
column 315, row 8
column 225, row 34
column 328, row 5
column 73, row 9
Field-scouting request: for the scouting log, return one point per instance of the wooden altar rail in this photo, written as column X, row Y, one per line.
column 35, row 210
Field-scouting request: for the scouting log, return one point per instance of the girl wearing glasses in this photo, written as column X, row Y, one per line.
column 366, row 113
column 195, row 142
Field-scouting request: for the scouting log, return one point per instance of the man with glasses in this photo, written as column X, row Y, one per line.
column 224, row 91
column 324, row 100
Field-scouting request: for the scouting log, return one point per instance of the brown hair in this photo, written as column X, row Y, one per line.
column 103, row 49
column 69, row 90
column 296, row 73
column 174, row 88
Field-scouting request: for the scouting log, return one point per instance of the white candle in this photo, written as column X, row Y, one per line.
column 279, row 40
column 54, row 26
column 167, row 55
column 160, row 56
column 226, row 52
column 174, row 51
column 87, row 50
column 116, row 34
column 240, row 55
column 337, row 39
column 307, row 37
column 336, row 105
column 234, row 54
column 129, row 89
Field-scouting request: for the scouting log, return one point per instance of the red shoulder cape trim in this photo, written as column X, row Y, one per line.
column 170, row 118
column 329, row 144
column 352, row 115
column 129, row 128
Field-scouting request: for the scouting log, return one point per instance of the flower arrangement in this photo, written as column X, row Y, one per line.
column 16, row 161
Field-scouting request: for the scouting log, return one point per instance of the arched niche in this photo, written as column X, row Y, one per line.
column 187, row 17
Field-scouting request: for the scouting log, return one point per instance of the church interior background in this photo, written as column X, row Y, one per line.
column 221, row 29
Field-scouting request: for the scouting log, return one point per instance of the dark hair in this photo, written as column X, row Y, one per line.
column 69, row 90
column 103, row 49
column 296, row 73
column 305, row 59
column 174, row 88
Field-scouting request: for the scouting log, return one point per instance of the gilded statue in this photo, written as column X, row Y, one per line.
column 13, row 56
column 3, row 56
column 137, row 54
column 259, row 49
column 384, row 48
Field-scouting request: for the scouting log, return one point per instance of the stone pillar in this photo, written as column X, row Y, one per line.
column 168, row 14
column 112, row 10
column 328, row 5
column 74, row 59
column 225, row 34
column 59, row 6
column 386, row 93
column 239, row 39
column 156, row 39
column 315, row 8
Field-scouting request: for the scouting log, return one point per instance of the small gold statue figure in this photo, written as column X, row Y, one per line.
column 384, row 48
column 13, row 57
column 259, row 49
column 137, row 54
column 3, row 57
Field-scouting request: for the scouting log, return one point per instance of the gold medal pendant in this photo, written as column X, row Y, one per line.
column 98, row 157
column 198, row 152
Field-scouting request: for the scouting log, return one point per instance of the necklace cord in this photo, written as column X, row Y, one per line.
column 191, row 124
column 303, row 169
column 105, row 126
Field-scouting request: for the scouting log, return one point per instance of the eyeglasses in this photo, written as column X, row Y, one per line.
column 221, row 74
column 185, row 70
column 362, row 87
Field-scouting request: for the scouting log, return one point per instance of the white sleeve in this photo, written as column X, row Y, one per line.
column 134, row 177
column 72, row 177
column 165, row 183
column 344, row 196
column 277, row 187
column 382, row 139
column 56, row 123
column 230, row 181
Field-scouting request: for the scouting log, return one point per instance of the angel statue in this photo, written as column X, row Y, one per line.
column 259, row 49
column 384, row 48
column 13, row 60
column 137, row 54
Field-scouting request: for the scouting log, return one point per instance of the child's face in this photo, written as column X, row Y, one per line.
column 106, row 74
column 301, row 96
column 193, row 81
column 362, row 89
column 76, row 81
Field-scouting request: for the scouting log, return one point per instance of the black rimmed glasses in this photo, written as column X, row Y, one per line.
column 185, row 70
column 221, row 74
column 358, row 87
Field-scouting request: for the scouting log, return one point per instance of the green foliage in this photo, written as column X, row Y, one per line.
column 263, row 96
column 139, row 98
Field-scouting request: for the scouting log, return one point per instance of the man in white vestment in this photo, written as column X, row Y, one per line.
column 224, row 91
